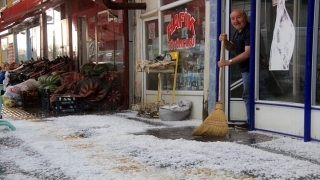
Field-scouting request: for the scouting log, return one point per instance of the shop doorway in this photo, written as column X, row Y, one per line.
column 237, row 111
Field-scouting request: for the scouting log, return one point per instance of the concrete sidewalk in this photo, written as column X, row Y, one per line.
column 237, row 135
column 157, row 128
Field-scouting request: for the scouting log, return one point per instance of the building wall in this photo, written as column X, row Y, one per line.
column 212, row 56
column 138, row 24
column 290, row 124
column 196, row 97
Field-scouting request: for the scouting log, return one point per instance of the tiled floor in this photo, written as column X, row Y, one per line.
column 18, row 114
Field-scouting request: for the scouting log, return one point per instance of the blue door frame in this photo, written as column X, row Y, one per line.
column 308, row 72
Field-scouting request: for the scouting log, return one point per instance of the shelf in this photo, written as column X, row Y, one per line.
column 171, row 70
column 166, row 68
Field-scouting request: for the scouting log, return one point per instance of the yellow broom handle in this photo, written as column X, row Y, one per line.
column 220, row 71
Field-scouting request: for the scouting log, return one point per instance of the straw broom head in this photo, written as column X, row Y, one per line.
column 215, row 124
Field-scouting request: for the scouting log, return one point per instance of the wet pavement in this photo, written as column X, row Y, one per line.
column 160, row 130
column 236, row 135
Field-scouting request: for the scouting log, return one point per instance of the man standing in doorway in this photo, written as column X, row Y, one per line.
column 240, row 45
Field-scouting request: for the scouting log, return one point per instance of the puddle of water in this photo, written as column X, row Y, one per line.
column 240, row 136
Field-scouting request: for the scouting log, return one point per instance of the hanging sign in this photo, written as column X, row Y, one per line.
column 103, row 18
column 10, row 54
column 152, row 30
column 181, row 22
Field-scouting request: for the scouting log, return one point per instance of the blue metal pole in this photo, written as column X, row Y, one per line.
column 28, row 44
column 218, row 47
column 308, row 74
column 252, row 61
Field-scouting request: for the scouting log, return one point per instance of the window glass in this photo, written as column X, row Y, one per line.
column 7, row 49
column 236, row 89
column 285, row 85
column 152, row 50
column 165, row 2
column 110, row 39
column 317, row 100
column 55, row 47
column 91, row 43
column 4, row 49
column 35, row 42
column 183, row 31
column 21, row 45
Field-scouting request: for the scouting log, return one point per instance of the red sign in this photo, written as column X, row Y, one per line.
column 103, row 18
column 183, row 22
column 10, row 53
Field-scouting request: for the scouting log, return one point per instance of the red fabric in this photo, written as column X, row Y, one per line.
column 24, row 9
column 18, row 10
column 107, row 88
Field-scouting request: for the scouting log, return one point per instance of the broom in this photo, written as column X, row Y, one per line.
column 216, row 123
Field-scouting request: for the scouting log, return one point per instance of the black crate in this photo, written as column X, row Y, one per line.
column 67, row 104
column 30, row 99
column 45, row 99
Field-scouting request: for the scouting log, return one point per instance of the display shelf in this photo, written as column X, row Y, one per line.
column 190, row 73
column 171, row 70
column 174, row 57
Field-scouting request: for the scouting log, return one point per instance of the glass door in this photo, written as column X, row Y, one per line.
column 237, row 107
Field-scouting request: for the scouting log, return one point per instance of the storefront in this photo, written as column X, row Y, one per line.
column 284, row 46
column 78, row 32
column 285, row 93
column 178, row 26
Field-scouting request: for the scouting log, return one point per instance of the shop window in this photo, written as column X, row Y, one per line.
column 21, row 45
column 286, row 83
column 91, row 43
column 165, row 2
column 7, row 49
column 54, row 31
column 110, row 39
column 183, row 31
column 35, row 42
column 152, row 50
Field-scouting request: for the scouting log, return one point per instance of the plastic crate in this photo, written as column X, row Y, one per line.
column 67, row 104
column 45, row 99
column 30, row 99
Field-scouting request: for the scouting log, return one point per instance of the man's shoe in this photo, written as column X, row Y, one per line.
column 245, row 126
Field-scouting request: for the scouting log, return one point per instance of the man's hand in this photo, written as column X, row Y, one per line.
column 223, row 37
column 223, row 63
column 227, row 44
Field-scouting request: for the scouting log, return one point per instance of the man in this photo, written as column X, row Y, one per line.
column 240, row 45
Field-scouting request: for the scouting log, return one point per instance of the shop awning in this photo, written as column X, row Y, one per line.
column 120, row 5
column 17, row 13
